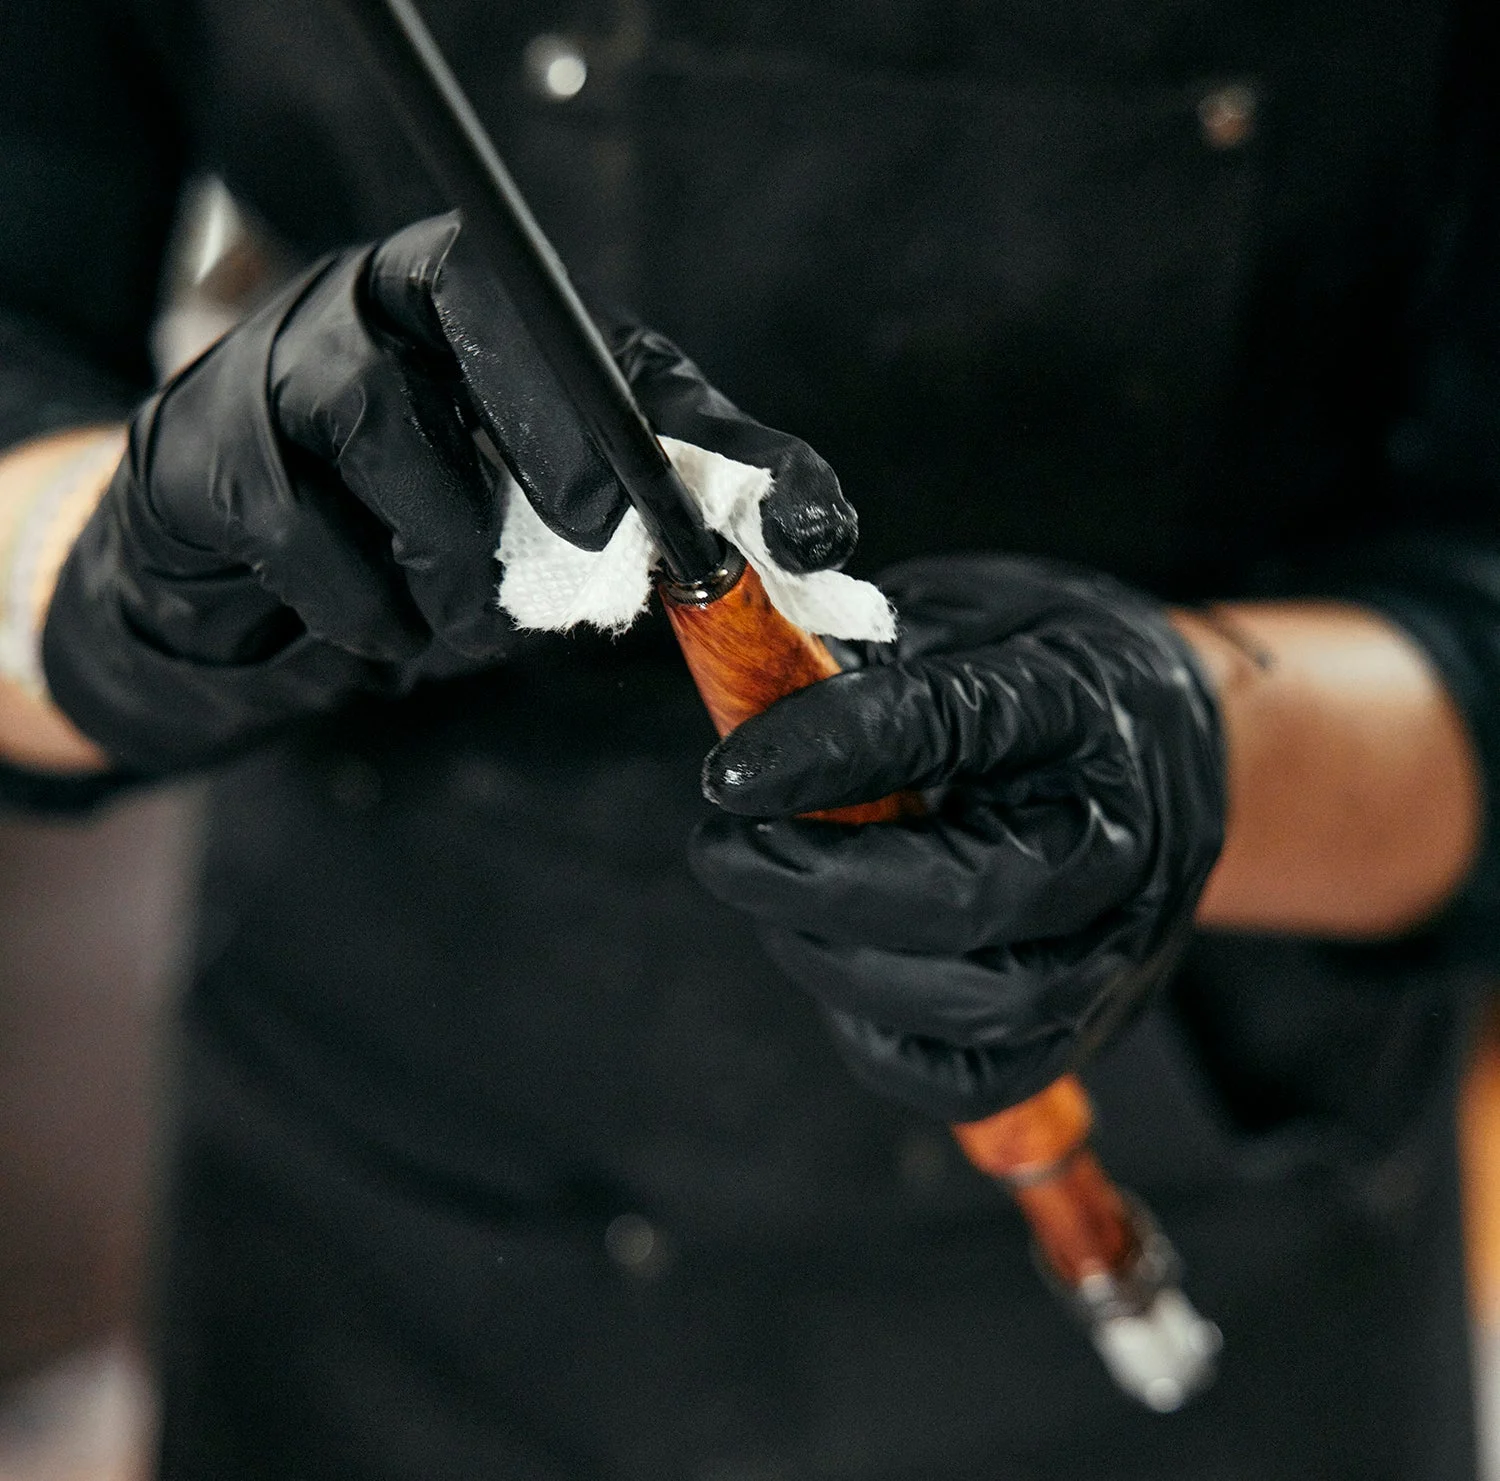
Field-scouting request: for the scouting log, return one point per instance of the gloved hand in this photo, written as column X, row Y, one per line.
column 303, row 512
column 965, row 960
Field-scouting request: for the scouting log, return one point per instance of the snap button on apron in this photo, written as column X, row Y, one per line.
column 1226, row 116
column 555, row 67
column 637, row 1246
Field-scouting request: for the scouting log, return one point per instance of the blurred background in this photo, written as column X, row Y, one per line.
column 95, row 918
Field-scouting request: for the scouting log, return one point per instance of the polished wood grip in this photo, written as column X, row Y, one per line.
column 1024, row 1141
column 744, row 655
column 1082, row 1223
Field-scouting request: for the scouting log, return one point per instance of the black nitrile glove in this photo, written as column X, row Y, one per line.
column 303, row 512
column 966, row 959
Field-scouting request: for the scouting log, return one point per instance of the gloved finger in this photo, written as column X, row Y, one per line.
column 278, row 513
column 909, row 725
column 427, row 285
column 954, row 1085
column 333, row 565
column 849, row 654
column 939, row 885
column 950, row 603
column 808, row 523
column 395, row 438
column 401, row 282
column 414, row 465
column 1003, row 996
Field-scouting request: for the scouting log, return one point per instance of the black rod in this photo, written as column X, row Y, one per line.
column 458, row 153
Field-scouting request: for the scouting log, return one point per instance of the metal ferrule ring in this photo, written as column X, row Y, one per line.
column 710, row 588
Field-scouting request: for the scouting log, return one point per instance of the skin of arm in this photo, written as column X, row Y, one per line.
column 1354, row 793
column 34, row 733
column 1355, row 797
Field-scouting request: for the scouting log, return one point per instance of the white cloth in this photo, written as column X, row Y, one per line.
column 548, row 584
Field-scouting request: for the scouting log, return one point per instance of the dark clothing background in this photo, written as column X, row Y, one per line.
column 459, row 1005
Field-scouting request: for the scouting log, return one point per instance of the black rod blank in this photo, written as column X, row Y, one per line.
column 457, row 152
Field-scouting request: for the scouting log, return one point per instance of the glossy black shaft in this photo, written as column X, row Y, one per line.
column 462, row 160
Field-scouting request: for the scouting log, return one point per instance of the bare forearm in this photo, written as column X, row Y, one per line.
column 1354, row 792
column 48, row 489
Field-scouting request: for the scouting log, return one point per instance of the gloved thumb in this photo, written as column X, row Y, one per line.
column 808, row 523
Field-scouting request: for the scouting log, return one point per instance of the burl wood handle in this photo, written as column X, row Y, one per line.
column 744, row 655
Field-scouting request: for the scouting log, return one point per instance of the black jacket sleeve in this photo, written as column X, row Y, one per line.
column 90, row 166
column 1429, row 557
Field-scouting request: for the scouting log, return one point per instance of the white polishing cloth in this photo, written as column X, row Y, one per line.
column 548, row 584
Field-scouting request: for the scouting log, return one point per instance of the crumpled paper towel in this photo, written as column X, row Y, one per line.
column 550, row 585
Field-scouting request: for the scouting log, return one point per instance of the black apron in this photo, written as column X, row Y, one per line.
column 504, row 1151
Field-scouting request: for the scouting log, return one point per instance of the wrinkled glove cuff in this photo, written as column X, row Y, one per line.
column 152, row 712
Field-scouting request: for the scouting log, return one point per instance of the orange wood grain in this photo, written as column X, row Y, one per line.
column 744, row 656
column 1028, row 1138
column 1080, row 1220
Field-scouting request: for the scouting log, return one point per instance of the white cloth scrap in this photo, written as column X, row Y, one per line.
column 550, row 585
